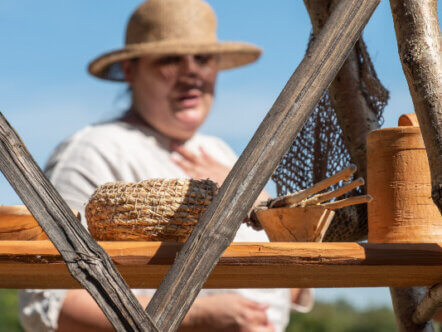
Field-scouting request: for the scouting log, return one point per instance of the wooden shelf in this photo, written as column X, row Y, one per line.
column 37, row 264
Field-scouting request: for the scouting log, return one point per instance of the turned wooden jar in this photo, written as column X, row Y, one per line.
column 398, row 179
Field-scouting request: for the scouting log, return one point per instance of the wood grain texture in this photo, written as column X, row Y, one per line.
column 420, row 46
column 296, row 224
column 217, row 228
column 37, row 264
column 17, row 223
column 85, row 259
column 399, row 180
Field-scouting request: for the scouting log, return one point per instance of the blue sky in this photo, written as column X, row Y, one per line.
column 46, row 93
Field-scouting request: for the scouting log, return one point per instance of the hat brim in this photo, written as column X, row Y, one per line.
column 231, row 55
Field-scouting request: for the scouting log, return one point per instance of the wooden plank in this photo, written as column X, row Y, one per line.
column 218, row 225
column 37, row 264
column 85, row 259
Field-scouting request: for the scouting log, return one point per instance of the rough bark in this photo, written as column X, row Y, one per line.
column 405, row 301
column 419, row 45
column 353, row 112
column 217, row 227
column 431, row 304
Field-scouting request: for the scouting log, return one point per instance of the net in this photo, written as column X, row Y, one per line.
column 319, row 151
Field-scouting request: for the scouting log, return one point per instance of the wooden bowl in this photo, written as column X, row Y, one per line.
column 298, row 224
column 17, row 223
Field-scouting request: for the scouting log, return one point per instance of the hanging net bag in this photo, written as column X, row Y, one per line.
column 319, row 151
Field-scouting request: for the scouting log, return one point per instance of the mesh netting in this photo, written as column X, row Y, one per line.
column 319, row 151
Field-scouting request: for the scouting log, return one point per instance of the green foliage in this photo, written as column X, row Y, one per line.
column 8, row 313
column 342, row 317
column 325, row 317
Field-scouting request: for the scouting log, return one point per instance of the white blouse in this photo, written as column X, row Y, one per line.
column 118, row 151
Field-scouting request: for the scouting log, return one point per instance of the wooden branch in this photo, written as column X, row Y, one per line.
column 405, row 300
column 37, row 264
column 355, row 117
column 217, row 227
column 419, row 45
column 431, row 304
column 85, row 259
column 299, row 196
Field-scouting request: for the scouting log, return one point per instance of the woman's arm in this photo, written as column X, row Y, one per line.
column 221, row 312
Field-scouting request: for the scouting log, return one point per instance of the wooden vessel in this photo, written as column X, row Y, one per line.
column 298, row 224
column 398, row 178
column 17, row 223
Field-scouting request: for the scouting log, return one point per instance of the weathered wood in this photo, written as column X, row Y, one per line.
column 419, row 45
column 405, row 301
column 274, row 136
column 431, row 303
column 243, row 265
column 355, row 117
column 85, row 259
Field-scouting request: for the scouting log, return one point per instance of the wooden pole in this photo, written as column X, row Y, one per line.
column 419, row 45
column 217, row 227
column 86, row 260
column 405, row 301
column 355, row 117
column 429, row 306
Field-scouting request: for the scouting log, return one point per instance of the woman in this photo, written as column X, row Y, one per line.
column 170, row 62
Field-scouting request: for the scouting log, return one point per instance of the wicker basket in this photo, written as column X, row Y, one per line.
column 152, row 210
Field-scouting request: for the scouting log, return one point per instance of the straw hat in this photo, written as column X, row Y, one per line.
column 172, row 27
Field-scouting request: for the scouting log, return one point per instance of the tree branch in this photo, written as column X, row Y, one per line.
column 419, row 46
column 431, row 304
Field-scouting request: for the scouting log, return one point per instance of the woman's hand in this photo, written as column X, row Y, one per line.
column 200, row 167
column 227, row 312
column 205, row 167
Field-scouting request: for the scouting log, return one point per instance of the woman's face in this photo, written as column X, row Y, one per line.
column 173, row 93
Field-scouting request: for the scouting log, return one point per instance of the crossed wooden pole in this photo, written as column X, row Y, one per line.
column 90, row 265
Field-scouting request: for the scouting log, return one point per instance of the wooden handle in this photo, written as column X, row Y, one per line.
column 409, row 119
column 347, row 202
column 299, row 196
column 317, row 199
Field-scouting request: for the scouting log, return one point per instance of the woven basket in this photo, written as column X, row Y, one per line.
column 152, row 210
